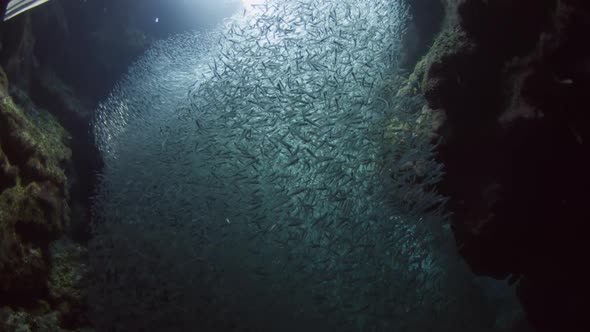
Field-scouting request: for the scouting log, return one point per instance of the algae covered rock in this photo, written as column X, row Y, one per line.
column 22, row 321
column 33, row 196
column 41, row 321
column 67, row 289
column 41, row 279
column 512, row 81
column 3, row 84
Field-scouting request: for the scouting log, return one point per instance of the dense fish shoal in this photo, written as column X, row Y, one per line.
column 254, row 182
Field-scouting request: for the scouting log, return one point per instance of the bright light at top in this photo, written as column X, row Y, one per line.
column 249, row 3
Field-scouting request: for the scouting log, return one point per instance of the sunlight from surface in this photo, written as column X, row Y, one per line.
column 249, row 3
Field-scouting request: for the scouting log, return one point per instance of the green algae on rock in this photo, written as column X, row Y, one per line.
column 67, row 288
column 33, row 197
column 42, row 321
column 40, row 278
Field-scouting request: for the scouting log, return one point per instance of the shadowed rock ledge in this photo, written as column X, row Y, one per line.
column 39, row 289
column 510, row 79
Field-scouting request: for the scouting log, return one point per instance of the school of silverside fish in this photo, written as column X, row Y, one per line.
column 254, row 181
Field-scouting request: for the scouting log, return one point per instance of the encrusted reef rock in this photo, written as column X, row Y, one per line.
column 61, row 100
column 22, row 321
column 33, row 198
column 67, row 283
column 427, row 16
column 33, row 213
column 511, row 79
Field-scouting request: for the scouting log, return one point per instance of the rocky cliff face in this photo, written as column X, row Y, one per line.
column 34, row 195
column 34, row 213
column 510, row 79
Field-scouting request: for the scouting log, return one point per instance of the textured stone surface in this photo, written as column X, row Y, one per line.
column 41, row 321
column 67, row 282
column 510, row 78
column 33, row 200
column 41, row 290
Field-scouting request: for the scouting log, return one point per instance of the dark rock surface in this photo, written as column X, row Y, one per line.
column 427, row 19
column 35, row 281
column 511, row 78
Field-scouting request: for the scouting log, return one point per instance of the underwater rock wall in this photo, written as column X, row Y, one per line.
column 427, row 17
column 34, row 48
column 34, row 194
column 34, row 213
column 511, row 78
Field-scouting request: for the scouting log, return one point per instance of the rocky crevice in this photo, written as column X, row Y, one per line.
column 509, row 78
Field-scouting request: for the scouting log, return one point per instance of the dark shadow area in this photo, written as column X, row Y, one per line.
column 512, row 84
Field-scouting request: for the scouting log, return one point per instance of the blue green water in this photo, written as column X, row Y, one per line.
column 269, row 176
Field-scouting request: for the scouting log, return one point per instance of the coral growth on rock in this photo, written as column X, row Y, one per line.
column 67, row 283
column 34, row 213
column 33, row 202
column 511, row 79
column 23, row 321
